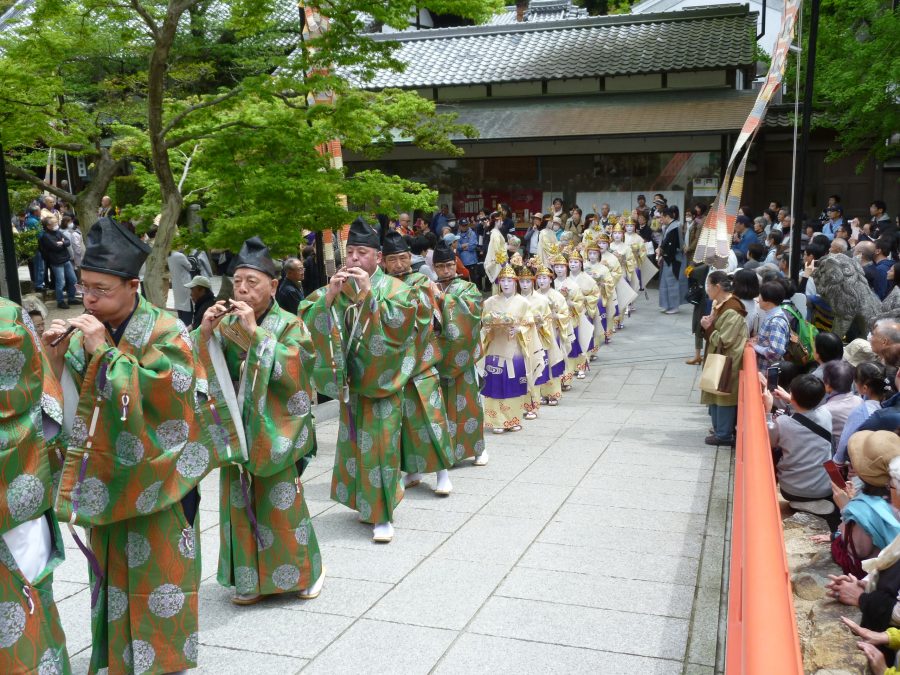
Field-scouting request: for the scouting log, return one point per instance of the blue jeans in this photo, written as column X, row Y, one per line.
column 64, row 277
column 40, row 272
column 724, row 419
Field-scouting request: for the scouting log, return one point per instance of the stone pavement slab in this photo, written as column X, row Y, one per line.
column 593, row 542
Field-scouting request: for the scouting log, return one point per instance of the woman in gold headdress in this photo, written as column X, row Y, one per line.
column 512, row 355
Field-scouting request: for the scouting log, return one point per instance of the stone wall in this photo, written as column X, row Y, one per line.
column 828, row 647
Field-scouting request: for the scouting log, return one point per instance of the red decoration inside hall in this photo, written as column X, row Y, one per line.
column 469, row 203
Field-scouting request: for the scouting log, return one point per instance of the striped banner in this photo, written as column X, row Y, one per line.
column 715, row 237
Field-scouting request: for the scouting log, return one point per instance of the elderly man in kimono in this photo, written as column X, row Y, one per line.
column 134, row 456
column 363, row 327
column 30, row 543
column 256, row 355
column 461, row 305
column 424, row 440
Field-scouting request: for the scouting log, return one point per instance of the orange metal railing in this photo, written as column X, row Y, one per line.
column 762, row 628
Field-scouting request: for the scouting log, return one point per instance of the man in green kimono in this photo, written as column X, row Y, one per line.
column 31, row 636
column 424, row 440
column 460, row 345
column 363, row 328
column 134, row 456
column 255, row 355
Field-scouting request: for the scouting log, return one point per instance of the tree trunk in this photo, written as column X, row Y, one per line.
column 87, row 202
column 155, row 284
column 227, row 289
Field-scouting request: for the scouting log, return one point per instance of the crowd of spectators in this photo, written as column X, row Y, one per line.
column 831, row 394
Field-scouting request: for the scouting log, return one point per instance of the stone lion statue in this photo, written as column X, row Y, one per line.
column 841, row 282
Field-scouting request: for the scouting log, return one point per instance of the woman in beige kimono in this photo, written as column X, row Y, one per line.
column 726, row 333
column 512, row 355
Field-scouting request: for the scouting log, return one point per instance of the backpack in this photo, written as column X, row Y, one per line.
column 194, row 262
column 802, row 342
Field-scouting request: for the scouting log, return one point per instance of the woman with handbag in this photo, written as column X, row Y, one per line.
column 726, row 334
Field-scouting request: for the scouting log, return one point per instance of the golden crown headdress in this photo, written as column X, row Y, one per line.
column 507, row 273
column 542, row 269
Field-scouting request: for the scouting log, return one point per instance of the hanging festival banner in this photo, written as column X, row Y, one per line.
column 335, row 243
column 715, row 237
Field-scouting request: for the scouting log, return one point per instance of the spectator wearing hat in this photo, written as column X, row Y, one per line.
column 451, row 241
column 202, row 298
column 869, row 523
column 743, row 237
column 859, row 351
column 835, row 221
column 875, row 459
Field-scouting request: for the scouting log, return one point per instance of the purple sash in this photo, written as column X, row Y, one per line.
column 500, row 383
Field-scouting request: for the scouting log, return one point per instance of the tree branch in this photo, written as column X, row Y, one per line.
column 22, row 174
column 206, row 133
column 15, row 101
column 70, row 147
column 183, row 6
column 198, row 190
column 187, row 167
column 146, row 17
column 179, row 118
column 287, row 101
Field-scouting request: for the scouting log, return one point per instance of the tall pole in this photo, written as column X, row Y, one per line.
column 10, row 267
column 803, row 153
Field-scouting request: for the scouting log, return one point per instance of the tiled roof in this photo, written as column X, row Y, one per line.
column 539, row 11
column 783, row 116
column 704, row 111
column 598, row 46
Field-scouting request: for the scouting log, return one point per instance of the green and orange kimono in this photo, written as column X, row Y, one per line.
column 425, row 445
column 263, row 397
column 460, row 342
column 134, row 457
column 366, row 352
column 31, row 636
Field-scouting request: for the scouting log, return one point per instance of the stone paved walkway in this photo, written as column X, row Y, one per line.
column 592, row 542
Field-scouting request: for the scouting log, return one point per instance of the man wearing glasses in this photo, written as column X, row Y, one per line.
column 134, row 456
column 256, row 352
